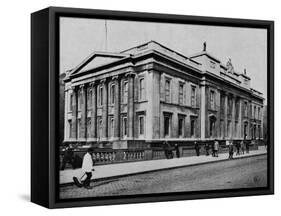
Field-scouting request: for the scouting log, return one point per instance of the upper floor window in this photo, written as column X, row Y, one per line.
column 100, row 97
column 112, row 94
column 167, row 90
column 89, row 99
column 212, row 99
column 181, row 93
column 141, row 89
column 245, row 108
column 71, row 102
column 193, row 96
column 125, row 92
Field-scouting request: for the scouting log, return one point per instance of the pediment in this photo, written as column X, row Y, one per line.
column 97, row 59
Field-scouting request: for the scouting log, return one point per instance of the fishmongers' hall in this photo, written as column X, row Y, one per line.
column 140, row 97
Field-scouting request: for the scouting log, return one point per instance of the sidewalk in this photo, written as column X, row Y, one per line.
column 124, row 169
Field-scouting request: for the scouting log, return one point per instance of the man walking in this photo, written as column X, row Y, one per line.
column 216, row 148
column 177, row 150
column 87, row 167
column 230, row 146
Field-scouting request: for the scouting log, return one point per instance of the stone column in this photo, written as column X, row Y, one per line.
column 83, row 128
column 130, row 104
column 233, row 118
column 203, row 110
column 117, row 108
column 226, row 115
column 93, row 132
column 73, row 134
column 105, row 110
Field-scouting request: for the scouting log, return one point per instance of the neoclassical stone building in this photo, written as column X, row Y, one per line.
column 147, row 94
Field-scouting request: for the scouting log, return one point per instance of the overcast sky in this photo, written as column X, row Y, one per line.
column 246, row 47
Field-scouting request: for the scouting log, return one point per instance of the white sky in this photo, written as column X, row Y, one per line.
column 247, row 47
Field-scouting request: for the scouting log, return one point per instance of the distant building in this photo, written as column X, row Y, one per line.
column 147, row 94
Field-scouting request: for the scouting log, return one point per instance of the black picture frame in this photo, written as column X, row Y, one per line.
column 44, row 105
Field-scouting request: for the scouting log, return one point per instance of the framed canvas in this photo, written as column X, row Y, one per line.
column 139, row 107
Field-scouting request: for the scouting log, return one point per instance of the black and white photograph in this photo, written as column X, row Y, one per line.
column 156, row 107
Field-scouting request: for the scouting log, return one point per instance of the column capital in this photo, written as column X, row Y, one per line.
column 91, row 84
column 115, row 77
column 102, row 81
column 130, row 74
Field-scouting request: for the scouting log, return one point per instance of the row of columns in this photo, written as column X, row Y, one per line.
column 82, row 115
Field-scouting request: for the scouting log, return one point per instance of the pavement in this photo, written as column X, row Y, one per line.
column 109, row 171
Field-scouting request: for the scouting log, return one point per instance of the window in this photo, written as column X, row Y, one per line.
column 245, row 129
column 125, row 92
column 166, row 125
column 193, row 95
column 180, row 126
column 141, row 90
column 79, row 99
column 181, row 93
column 78, row 128
column 112, row 94
column 124, row 128
column 70, row 128
column 222, row 103
column 192, row 127
column 141, row 125
column 111, row 126
column 100, row 100
column 71, row 102
column 245, row 109
column 229, row 106
column 89, row 127
column 99, row 128
column 255, row 109
column 167, row 90
column 89, row 99
column 212, row 99
column 212, row 127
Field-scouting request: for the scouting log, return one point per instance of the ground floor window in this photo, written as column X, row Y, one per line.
column 167, row 124
column 245, row 130
column 111, row 126
column 89, row 123
column 124, row 126
column 141, row 125
column 212, row 127
column 70, row 128
column 99, row 128
column 192, row 127
column 181, row 126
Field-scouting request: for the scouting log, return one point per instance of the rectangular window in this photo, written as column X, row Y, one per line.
column 125, row 127
column 193, row 95
column 167, row 90
column 112, row 94
column 180, row 126
column 100, row 96
column 259, row 110
column 180, row 93
column 70, row 128
column 141, row 89
column 111, row 126
column 222, row 104
column 141, row 125
column 89, row 127
column 125, row 92
column 89, row 99
column 192, row 127
column 212, row 99
column 255, row 109
column 71, row 102
column 245, row 109
column 166, row 125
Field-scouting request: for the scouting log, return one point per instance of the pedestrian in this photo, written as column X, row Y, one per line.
column 216, row 148
column 207, row 149
column 197, row 148
column 238, row 148
column 213, row 149
column 177, row 150
column 230, row 147
column 165, row 149
column 242, row 147
column 87, row 167
column 67, row 157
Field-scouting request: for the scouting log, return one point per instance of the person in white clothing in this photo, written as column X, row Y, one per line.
column 87, row 167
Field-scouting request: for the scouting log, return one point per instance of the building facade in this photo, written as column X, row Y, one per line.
column 147, row 94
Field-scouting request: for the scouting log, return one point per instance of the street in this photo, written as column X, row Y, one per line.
column 241, row 173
